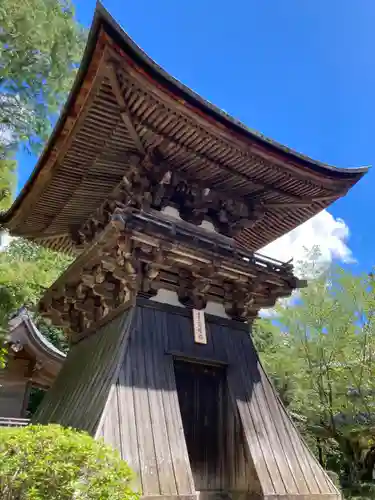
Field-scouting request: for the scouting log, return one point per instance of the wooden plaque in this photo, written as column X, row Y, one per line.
column 199, row 325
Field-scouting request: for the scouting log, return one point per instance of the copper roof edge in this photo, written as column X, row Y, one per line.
column 102, row 18
column 43, row 344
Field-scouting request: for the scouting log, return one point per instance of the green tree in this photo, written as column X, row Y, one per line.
column 51, row 462
column 322, row 354
column 40, row 48
column 26, row 271
column 7, row 181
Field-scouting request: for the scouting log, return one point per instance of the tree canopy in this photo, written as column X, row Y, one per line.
column 320, row 352
column 8, row 170
column 26, row 271
column 40, row 48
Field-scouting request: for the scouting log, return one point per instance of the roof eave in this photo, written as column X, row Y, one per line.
column 188, row 95
column 36, row 342
column 102, row 18
column 85, row 61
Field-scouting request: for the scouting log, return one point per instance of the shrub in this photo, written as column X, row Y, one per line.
column 56, row 463
column 363, row 491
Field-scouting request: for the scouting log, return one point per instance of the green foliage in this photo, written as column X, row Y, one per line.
column 321, row 350
column 364, row 491
column 273, row 348
column 54, row 334
column 7, row 182
column 35, row 399
column 52, row 462
column 40, row 48
column 26, row 271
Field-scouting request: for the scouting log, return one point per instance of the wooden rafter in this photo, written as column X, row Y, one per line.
column 263, row 186
column 73, row 122
column 201, row 144
column 300, row 202
column 292, row 206
column 152, row 182
column 124, row 110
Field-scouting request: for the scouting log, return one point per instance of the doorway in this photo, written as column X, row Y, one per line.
column 202, row 399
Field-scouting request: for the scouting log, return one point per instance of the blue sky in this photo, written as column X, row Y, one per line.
column 300, row 71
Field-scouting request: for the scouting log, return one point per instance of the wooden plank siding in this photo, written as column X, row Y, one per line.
column 80, row 392
column 285, row 466
column 15, row 387
column 152, row 436
column 120, row 384
column 12, row 398
column 242, row 475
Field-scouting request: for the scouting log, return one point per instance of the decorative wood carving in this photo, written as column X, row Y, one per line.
column 148, row 184
column 143, row 252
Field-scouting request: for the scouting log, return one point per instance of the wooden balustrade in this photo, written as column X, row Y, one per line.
column 13, row 422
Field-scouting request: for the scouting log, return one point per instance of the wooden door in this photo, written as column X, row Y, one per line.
column 200, row 393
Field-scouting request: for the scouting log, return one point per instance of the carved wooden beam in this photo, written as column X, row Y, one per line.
column 149, row 184
column 157, row 188
column 140, row 252
column 240, row 301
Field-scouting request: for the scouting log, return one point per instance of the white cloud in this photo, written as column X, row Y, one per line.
column 323, row 232
column 322, row 236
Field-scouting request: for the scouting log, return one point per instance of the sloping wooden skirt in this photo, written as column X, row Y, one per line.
column 119, row 384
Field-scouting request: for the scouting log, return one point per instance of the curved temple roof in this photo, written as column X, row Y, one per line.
column 123, row 104
column 26, row 342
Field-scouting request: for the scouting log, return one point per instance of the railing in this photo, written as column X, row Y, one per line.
column 13, row 422
column 180, row 231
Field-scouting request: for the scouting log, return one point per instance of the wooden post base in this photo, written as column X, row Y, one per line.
column 192, row 420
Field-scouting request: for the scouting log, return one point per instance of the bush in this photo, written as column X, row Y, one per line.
column 364, row 491
column 55, row 463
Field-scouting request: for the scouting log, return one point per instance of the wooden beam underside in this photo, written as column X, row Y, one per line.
column 141, row 253
column 193, row 151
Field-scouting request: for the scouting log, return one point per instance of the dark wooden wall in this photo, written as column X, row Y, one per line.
column 126, row 374
column 284, row 464
column 151, row 437
column 14, row 388
column 80, row 392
